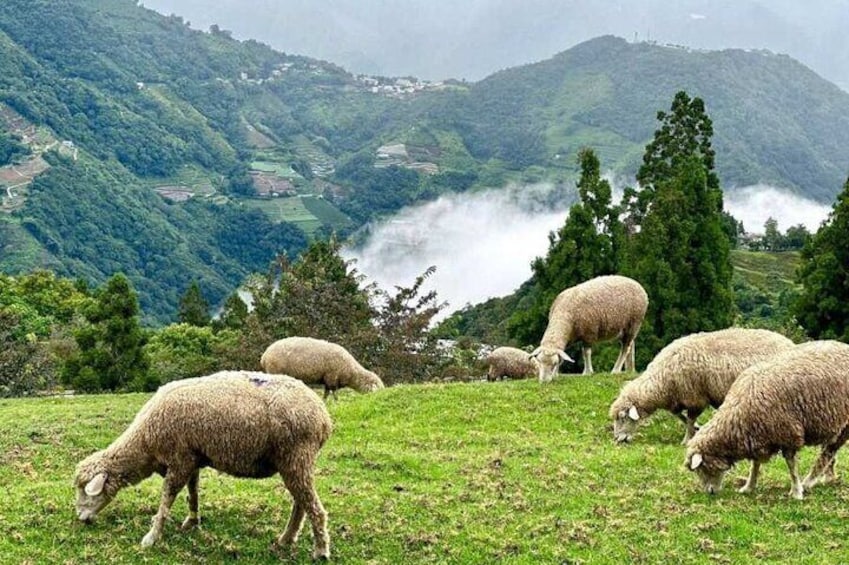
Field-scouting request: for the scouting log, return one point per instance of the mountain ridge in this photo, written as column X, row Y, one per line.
column 237, row 151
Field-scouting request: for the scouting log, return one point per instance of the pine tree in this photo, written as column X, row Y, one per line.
column 681, row 252
column 233, row 314
column 194, row 309
column 588, row 245
column 822, row 309
column 111, row 354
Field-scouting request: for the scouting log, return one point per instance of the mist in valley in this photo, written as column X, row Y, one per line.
column 482, row 244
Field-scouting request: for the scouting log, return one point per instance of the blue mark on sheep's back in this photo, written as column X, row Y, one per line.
column 259, row 381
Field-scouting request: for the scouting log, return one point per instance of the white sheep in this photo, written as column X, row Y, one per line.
column 316, row 361
column 599, row 309
column 690, row 374
column 801, row 397
column 246, row 424
column 510, row 362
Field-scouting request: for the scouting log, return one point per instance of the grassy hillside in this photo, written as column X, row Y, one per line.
column 457, row 473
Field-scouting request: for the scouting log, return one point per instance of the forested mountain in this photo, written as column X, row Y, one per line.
column 130, row 142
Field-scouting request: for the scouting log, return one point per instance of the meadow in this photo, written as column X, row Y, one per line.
column 509, row 472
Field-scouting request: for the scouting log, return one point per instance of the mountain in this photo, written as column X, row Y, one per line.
column 131, row 142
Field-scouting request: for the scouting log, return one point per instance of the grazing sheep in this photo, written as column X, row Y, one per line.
column 510, row 362
column 690, row 374
column 316, row 361
column 801, row 397
column 599, row 309
column 242, row 423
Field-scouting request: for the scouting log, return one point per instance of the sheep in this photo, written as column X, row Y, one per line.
column 690, row 374
column 316, row 361
column 801, row 397
column 242, row 423
column 510, row 362
column 599, row 309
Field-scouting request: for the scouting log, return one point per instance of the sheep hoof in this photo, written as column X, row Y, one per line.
column 149, row 539
column 797, row 494
column 189, row 523
column 321, row 555
column 745, row 489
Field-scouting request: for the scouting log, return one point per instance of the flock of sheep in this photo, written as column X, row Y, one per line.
column 771, row 396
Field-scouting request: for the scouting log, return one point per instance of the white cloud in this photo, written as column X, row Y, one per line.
column 482, row 244
column 753, row 205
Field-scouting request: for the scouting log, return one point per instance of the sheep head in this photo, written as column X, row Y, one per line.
column 625, row 423
column 548, row 361
column 96, row 487
column 709, row 468
column 370, row 382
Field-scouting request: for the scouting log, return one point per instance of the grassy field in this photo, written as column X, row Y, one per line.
column 287, row 209
column 770, row 271
column 509, row 472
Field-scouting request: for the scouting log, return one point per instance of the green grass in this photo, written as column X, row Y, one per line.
column 288, row 209
column 769, row 271
column 509, row 472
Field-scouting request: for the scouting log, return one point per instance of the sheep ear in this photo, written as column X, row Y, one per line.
column 95, row 486
column 534, row 353
column 633, row 414
column 695, row 461
column 565, row 357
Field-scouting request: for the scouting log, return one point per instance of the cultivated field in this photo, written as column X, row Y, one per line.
column 510, row 472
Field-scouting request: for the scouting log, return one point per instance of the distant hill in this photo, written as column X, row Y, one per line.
column 130, row 142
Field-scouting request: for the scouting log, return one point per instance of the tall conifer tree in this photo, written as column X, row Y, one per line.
column 681, row 252
column 822, row 309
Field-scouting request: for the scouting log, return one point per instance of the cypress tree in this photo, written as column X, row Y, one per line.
column 681, row 252
column 822, row 309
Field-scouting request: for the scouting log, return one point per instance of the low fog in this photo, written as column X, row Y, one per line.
column 482, row 244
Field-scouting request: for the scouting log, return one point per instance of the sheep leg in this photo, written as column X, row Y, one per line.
column 298, row 479
column 192, row 519
column 796, row 488
column 823, row 468
column 752, row 481
column 692, row 426
column 293, row 528
column 622, row 358
column 630, row 362
column 587, row 353
column 173, row 484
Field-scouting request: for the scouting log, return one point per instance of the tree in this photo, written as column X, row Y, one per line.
column 110, row 355
column 588, row 245
column 822, row 308
column 233, row 314
column 681, row 252
column 194, row 309
column 772, row 240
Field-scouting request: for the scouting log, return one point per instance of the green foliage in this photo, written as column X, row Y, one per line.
column 681, row 253
column 183, row 350
column 11, row 148
column 233, row 314
column 588, row 245
column 111, row 355
column 823, row 307
column 194, row 309
column 25, row 365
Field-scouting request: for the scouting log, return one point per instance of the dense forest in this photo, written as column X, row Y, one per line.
column 131, row 142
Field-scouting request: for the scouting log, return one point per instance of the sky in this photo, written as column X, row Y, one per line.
column 438, row 39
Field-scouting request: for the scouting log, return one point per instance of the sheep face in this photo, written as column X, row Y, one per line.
column 373, row 383
column 548, row 361
column 710, row 470
column 625, row 424
column 94, row 492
